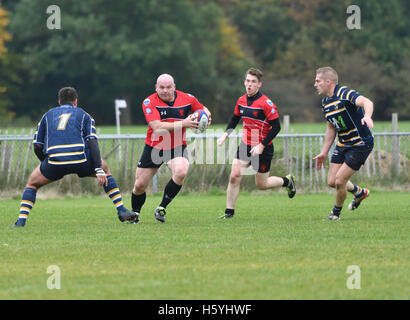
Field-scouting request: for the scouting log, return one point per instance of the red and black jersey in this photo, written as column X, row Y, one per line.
column 256, row 112
column 156, row 109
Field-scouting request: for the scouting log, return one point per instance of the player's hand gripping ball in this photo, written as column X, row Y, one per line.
column 202, row 118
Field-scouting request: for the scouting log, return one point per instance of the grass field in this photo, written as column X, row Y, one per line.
column 275, row 248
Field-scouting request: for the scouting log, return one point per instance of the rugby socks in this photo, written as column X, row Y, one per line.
column 112, row 190
column 27, row 202
column 171, row 190
column 137, row 201
column 337, row 210
column 285, row 182
column 230, row 211
column 357, row 191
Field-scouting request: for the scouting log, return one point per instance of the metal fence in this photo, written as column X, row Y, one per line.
column 387, row 165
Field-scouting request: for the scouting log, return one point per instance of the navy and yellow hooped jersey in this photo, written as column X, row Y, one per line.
column 341, row 111
column 62, row 132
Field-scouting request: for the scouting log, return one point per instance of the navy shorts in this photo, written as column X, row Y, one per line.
column 260, row 163
column 154, row 158
column 354, row 157
column 56, row 172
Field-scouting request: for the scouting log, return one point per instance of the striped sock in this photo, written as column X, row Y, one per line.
column 112, row 190
column 355, row 188
column 27, row 202
column 359, row 193
column 337, row 210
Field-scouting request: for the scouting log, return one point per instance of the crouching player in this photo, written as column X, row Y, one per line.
column 66, row 143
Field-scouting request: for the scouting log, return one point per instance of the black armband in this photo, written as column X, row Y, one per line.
column 38, row 150
column 275, row 124
column 233, row 123
column 94, row 152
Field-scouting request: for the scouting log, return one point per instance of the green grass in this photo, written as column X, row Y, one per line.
column 275, row 248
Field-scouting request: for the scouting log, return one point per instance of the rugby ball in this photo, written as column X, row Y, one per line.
column 201, row 117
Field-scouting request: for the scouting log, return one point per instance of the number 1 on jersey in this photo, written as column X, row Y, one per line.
column 63, row 121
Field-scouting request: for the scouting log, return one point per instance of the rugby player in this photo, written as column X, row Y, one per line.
column 260, row 126
column 349, row 116
column 167, row 112
column 66, row 142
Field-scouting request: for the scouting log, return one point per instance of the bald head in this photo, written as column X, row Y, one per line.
column 165, row 87
column 165, row 78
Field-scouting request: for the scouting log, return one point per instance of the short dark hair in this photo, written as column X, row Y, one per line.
column 67, row 95
column 255, row 72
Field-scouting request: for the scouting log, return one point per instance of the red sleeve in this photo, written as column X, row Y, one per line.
column 195, row 104
column 236, row 110
column 270, row 110
column 150, row 111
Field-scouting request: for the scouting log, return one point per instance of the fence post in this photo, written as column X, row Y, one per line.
column 286, row 122
column 395, row 147
column 155, row 183
column 3, row 153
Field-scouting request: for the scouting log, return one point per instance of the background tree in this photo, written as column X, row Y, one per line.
column 8, row 76
column 310, row 34
column 110, row 49
column 117, row 49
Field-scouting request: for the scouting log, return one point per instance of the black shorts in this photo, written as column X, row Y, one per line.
column 260, row 163
column 354, row 157
column 154, row 158
column 56, row 172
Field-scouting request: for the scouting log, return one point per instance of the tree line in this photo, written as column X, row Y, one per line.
column 116, row 49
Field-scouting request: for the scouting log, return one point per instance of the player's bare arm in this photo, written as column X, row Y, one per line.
column 275, row 128
column 222, row 138
column 233, row 122
column 329, row 138
column 258, row 149
column 367, row 105
column 208, row 113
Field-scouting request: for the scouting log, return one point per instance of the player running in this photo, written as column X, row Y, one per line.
column 260, row 126
column 349, row 115
column 66, row 142
column 166, row 113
